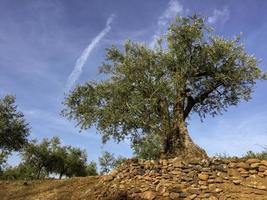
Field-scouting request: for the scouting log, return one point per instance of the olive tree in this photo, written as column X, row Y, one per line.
column 154, row 91
column 13, row 128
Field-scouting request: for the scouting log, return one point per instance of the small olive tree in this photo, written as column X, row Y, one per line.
column 13, row 128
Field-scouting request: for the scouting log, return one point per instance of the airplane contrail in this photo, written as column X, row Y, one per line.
column 75, row 74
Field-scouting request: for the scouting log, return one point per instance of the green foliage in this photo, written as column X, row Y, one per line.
column 91, row 169
column 108, row 162
column 153, row 91
column 22, row 172
column 148, row 147
column 37, row 156
column 259, row 155
column 50, row 156
column 13, row 128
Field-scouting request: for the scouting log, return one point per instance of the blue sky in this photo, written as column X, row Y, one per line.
column 41, row 42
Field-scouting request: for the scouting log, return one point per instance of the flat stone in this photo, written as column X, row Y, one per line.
column 174, row 195
column 243, row 165
column 237, row 182
column 217, row 190
column 262, row 168
column 177, row 163
column 212, row 198
column 149, row 195
column 108, row 178
column 252, row 160
column 232, row 165
column 203, row 177
column 212, row 187
column 253, row 171
column 160, row 188
column 193, row 190
column 264, row 162
column 255, row 165
column 193, row 196
column 261, row 187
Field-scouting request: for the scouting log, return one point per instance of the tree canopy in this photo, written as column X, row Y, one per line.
column 154, row 91
column 50, row 156
column 13, row 128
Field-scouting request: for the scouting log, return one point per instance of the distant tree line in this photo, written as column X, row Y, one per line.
column 44, row 159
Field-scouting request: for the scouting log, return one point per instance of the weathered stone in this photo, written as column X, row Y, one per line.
column 177, row 163
column 203, row 177
column 149, row 195
column 108, row 178
column 193, row 190
column 237, row 182
column 243, row 165
column 262, row 168
column 218, row 180
column 252, row 160
column 260, row 174
column 193, row 196
column 253, row 171
column 212, row 187
column 264, row 162
column 218, row 190
column 232, row 165
column 212, row 198
column 160, row 188
column 203, row 187
column 174, row 195
column 114, row 173
column 261, row 187
column 255, row 165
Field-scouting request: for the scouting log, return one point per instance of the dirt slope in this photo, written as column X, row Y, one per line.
column 69, row 189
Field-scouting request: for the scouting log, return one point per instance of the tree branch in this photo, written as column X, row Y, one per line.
column 200, row 98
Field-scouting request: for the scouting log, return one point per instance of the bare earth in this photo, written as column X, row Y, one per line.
column 69, row 189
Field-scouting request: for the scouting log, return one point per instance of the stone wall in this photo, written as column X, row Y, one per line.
column 175, row 179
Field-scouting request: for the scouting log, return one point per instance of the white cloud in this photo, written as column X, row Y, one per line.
column 174, row 8
column 75, row 74
column 219, row 16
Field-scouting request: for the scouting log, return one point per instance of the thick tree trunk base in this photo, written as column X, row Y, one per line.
column 190, row 152
column 179, row 144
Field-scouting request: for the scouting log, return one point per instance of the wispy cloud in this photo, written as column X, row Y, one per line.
column 75, row 74
column 219, row 16
column 174, row 8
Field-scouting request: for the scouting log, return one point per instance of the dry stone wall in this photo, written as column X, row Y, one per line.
column 176, row 179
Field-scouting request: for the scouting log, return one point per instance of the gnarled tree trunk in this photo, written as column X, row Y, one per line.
column 175, row 137
column 177, row 143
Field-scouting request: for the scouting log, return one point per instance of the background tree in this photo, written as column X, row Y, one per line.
column 108, row 161
column 148, row 147
column 38, row 157
column 13, row 128
column 22, row 172
column 91, row 169
column 50, row 156
column 76, row 162
column 154, row 91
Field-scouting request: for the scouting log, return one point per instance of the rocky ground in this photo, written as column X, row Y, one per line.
column 154, row 180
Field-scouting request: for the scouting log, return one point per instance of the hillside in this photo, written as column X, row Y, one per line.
column 154, row 180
